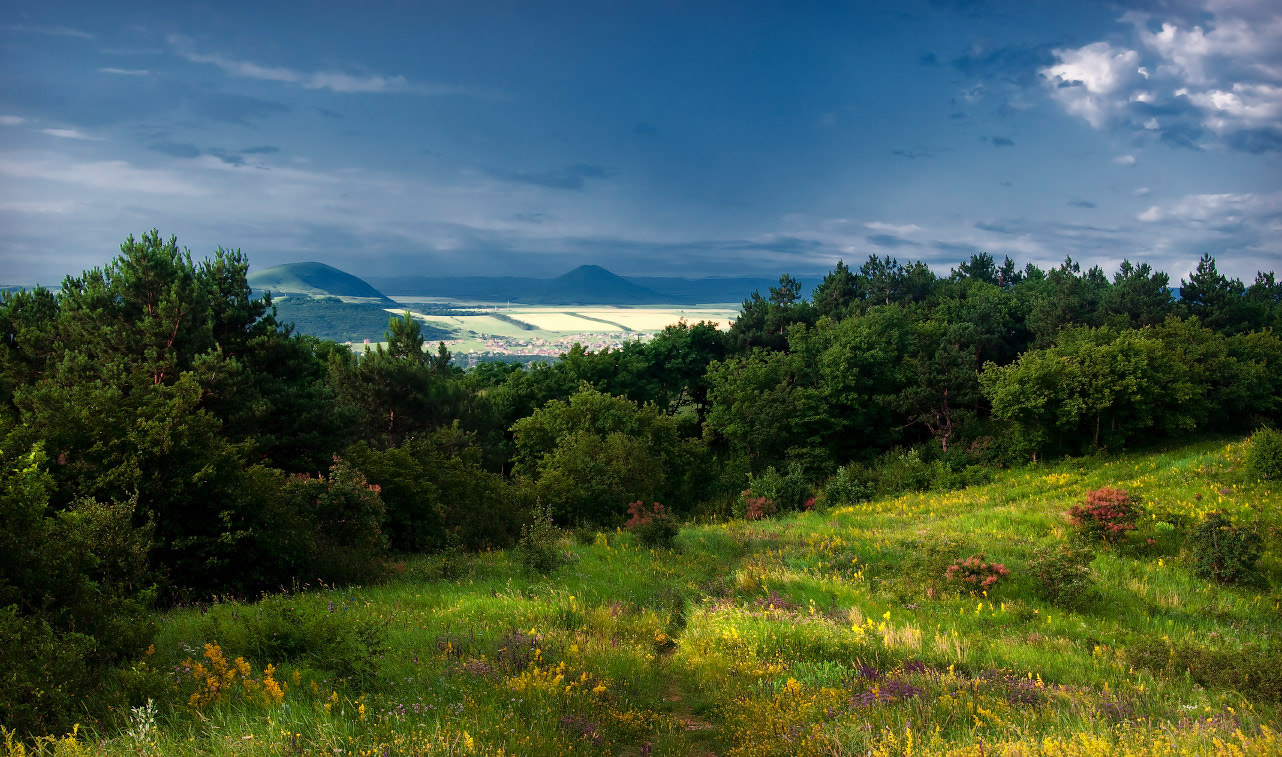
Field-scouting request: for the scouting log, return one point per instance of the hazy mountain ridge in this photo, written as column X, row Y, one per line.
column 585, row 285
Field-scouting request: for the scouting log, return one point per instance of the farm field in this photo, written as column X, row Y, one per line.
column 551, row 330
column 829, row 632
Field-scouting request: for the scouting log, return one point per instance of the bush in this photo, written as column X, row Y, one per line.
column 751, row 507
column 1106, row 515
column 974, row 574
column 1224, row 552
column 788, row 491
column 652, row 526
column 438, row 493
column 848, row 486
column 346, row 514
column 1063, row 574
column 1264, row 455
column 540, row 544
column 1251, row 670
column 899, row 471
column 285, row 629
column 75, row 593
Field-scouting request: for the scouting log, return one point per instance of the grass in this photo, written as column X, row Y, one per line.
column 830, row 632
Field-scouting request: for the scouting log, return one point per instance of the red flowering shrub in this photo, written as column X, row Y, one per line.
column 750, row 507
column 652, row 526
column 1107, row 514
column 975, row 574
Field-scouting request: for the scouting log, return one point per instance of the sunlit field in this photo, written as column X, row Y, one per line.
column 829, row 632
column 551, row 322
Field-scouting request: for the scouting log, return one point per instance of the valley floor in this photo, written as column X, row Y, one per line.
column 829, row 632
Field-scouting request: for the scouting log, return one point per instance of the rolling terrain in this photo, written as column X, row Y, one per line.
column 829, row 632
column 314, row 279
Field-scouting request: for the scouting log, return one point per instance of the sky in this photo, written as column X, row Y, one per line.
column 652, row 138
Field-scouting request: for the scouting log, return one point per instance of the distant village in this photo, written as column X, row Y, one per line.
column 495, row 347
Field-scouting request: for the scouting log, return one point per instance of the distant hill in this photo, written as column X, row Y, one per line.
column 331, row 318
column 585, row 285
column 593, row 285
column 314, row 279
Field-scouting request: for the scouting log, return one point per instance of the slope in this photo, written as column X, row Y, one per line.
column 313, row 279
column 594, row 285
column 832, row 632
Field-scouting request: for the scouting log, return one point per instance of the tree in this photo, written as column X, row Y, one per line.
column 588, row 457
column 835, row 294
column 398, row 391
column 787, row 293
column 1139, row 297
column 980, row 267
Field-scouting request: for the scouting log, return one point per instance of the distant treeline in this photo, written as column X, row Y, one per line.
column 165, row 437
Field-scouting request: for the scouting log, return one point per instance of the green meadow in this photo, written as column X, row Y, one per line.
column 835, row 631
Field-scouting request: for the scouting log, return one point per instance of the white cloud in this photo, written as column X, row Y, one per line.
column 112, row 175
column 68, row 134
column 333, row 81
column 1086, row 79
column 1216, row 81
column 1244, row 106
column 1141, row 192
column 12, row 120
column 50, row 31
column 890, row 228
column 1219, row 212
column 1124, row 160
column 126, row 71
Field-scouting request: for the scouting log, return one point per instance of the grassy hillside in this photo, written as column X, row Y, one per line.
column 331, row 318
column 832, row 632
column 315, row 279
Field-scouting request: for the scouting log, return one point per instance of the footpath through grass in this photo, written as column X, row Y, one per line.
column 825, row 633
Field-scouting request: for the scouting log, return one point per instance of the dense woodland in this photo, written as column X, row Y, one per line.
column 165, row 437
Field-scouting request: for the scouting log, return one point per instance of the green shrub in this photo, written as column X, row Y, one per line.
column 788, row 491
column 1264, row 455
column 436, row 489
column 75, row 594
column 346, row 514
column 1227, row 553
column 652, row 525
column 1251, row 670
column 540, row 544
column 1062, row 573
column 849, row 485
column 899, row 471
column 282, row 629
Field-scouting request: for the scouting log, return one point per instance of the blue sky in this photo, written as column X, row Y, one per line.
column 690, row 139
